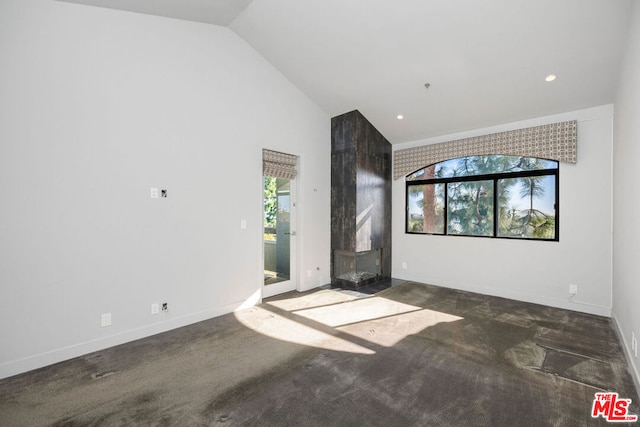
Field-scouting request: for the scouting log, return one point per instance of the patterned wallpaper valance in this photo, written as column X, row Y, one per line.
column 280, row 165
column 556, row 141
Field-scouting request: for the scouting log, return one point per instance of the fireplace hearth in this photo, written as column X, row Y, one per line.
column 355, row 269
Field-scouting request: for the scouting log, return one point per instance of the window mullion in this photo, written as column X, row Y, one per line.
column 495, row 208
column 446, row 210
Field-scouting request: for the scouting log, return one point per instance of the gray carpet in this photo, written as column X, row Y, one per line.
column 410, row 355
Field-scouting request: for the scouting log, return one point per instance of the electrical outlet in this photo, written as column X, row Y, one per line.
column 165, row 306
column 404, row 265
column 573, row 289
column 309, row 273
column 155, row 308
column 105, row 320
column 153, row 193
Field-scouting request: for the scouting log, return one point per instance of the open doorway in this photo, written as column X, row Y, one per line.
column 279, row 232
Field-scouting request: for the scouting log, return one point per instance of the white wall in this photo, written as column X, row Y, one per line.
column 96, row 107
column 626, row 235
column 538, row 272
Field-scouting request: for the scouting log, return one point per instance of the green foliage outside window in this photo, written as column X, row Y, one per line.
column 270, row 201
column 493, row 196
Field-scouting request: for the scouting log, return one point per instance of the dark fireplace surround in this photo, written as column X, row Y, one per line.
column 360, row 202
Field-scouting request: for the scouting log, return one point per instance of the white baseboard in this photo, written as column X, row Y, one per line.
column 627, row 352
column 18, row 366
column 567, row 304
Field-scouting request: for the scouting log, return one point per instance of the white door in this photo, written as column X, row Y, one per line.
column 279, row 236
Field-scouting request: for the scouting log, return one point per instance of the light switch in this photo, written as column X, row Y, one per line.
column 243, row 224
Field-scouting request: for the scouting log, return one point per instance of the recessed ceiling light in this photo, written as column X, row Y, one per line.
column 399, row 117
column 550, row 78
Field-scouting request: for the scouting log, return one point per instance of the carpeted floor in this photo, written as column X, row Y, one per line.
column 409, row 355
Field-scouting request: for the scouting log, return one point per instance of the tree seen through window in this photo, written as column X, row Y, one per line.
column 491, row 196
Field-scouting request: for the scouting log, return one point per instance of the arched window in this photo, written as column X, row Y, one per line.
column 489, row 196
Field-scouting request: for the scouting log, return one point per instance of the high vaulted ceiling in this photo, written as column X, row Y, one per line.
column 217, row 12
column 485, row 60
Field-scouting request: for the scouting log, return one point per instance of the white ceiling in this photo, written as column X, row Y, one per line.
column 218, row 12
column 486, row 60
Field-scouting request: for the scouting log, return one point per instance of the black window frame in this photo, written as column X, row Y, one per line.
column 495, row 177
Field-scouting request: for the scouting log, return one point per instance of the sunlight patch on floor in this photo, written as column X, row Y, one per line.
column 284, row 329
column 390, row 330
column 315, row 299
column 356, row 311
column 341, row 322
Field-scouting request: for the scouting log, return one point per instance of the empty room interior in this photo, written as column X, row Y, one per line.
column 279, row 212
